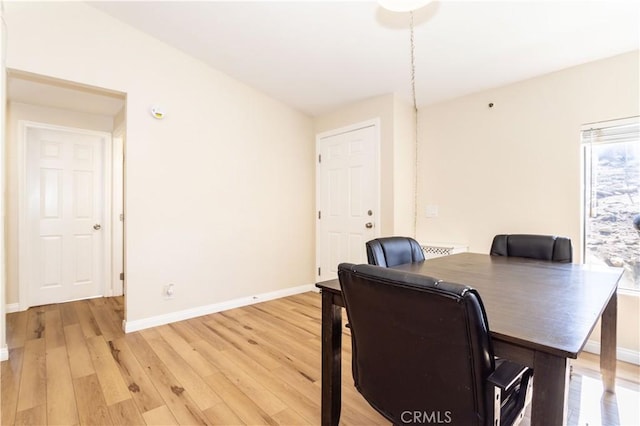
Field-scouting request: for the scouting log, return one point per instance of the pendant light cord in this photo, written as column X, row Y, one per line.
column 415, row 116
column 413, row 62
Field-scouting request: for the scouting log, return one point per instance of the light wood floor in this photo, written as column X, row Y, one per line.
column 260, row 365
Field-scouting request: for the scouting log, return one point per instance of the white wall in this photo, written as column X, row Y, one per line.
column 515, row 168
column 16, row 112
column 219, row 197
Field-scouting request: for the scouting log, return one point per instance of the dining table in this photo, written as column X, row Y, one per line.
column 540, row 314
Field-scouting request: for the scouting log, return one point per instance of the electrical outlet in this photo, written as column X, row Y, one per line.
column 169, row 291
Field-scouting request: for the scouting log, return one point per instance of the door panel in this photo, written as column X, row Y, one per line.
column 52, row 261
column 65, row 192
column 51, row 194
column 348, row 198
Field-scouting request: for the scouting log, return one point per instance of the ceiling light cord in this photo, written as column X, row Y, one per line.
column 413, row 62
column 415, row 116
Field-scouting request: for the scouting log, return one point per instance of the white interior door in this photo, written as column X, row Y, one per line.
column 63, row 249
column 348, row 197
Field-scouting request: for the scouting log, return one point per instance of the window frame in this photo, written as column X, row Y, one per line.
column 600, row 130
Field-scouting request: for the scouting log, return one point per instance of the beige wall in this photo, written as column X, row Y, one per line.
column 219, row 197
column 404, row 168
column 4, row 354
column 15, row 113
column 397, row 164
column 515, row 168
column 120, row 118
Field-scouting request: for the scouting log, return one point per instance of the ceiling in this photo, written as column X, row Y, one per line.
column 317, row 55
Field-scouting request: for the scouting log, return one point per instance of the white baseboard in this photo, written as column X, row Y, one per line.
column 131, row 326
column 622, row 354
column 11, row 307
column 4, row 353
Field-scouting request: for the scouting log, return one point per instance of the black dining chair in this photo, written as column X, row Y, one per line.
column 542, row 247
column 421, row 350
column 392, row 251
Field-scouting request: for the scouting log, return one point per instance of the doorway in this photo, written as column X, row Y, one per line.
column 56, row 110
column 348, row 195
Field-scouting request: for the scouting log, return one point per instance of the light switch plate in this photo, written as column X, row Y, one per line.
column 431, row 210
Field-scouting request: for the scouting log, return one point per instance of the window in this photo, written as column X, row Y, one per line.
column 612, row 197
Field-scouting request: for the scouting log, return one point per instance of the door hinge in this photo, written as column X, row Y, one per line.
column 319, row 270
column 319, row 214
column 121, row 217
column 121, row 276
column 319, row 158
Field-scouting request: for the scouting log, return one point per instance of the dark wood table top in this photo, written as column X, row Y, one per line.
column 545, row 306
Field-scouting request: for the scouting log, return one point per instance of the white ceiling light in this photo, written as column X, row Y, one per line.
column 403, row 5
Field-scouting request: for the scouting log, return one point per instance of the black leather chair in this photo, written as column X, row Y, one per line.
column 542, row 247
column 392, row 251
column 422, row 351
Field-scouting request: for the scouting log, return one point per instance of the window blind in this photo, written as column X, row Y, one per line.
column 627, row 130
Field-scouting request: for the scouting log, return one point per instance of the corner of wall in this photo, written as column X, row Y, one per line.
column 4, row 352
column 404, row 168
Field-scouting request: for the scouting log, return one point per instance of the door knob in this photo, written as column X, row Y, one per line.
column 97, row 226
column 368, row 225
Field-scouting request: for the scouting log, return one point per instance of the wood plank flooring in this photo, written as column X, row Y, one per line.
column 258, row 365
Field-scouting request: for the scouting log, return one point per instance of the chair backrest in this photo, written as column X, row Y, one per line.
column 392, row 251
column 418, row 344
column 543, row 247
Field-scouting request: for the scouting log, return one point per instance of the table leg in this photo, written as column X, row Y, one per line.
column 331, row 360
column 550, row 390
column 608, row 343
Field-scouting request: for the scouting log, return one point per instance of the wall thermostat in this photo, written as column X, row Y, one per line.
column 157, row 112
